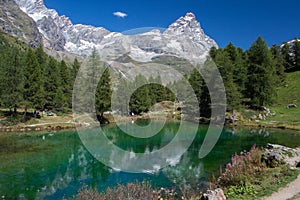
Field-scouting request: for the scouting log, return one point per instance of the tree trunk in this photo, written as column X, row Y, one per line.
column 25, row 112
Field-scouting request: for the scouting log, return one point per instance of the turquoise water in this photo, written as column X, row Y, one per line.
column 53, row 165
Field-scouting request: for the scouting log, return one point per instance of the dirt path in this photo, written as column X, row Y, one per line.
column 290, row 191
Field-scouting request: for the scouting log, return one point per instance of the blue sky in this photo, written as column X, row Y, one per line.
column 237, row 21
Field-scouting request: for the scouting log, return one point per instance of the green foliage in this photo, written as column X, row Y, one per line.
column 261, row 84
column 12, row 84
column 65, row 85
column 75, row 68
column 196, row 81
column 122, row 97
column 51, row 83
column 33, row 85
column 130, row 191
column 140, row 99
column 278, row 63
column 291, row 54
column 103, row 93
column 146, row 93
column 157, row 91
column 287, row 94
column 226, row 62
column 236, row 191
column 246, row 177
column 242, row 168
column 32, row 79
column 296, row 53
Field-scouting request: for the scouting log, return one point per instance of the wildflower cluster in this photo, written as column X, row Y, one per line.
column 243, row 168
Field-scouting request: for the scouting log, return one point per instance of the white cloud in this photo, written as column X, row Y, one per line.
column 120, row 14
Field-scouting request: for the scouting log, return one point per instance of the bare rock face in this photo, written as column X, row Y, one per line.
column 277, row 154
column 184, row 38
column 49, row 23
column 17, row 23
column 54, row 38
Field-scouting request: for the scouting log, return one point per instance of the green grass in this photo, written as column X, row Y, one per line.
column 272, row 181
column 287, row 94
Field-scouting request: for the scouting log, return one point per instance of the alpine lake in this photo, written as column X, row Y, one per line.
column 55, row 165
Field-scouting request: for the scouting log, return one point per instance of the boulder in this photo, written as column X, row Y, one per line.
column 277, row 154
column 291, row 105
column 216, row 194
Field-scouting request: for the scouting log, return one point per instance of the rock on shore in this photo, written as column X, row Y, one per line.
column 277, row 154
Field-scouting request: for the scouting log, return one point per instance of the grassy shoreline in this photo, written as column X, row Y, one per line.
column 67, row 122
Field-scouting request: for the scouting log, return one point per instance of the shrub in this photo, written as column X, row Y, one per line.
column 131, row 191
column 243, row 168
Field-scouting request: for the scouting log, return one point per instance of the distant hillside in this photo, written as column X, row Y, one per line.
column 288, row 94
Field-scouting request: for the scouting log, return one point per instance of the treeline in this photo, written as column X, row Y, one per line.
column 32, row 79
column 250, row 78
column 291, row 54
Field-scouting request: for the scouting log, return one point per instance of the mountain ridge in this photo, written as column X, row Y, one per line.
column 184, row 38
column 18, row 24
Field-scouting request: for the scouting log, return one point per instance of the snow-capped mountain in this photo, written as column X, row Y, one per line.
column 290, row 43
column 184, row 38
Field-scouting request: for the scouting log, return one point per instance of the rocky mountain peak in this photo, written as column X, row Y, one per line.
column 190, row 15
column 184, row 25
column 39, row 3
column 189, row 18
column 29, row 6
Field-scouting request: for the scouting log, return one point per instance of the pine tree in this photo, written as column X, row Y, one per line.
column 196, row 81
column 205, row 101
column 239, row 69
column 157, row 91
column 51, row 83
column 278, row 63
column 121, row 97
column 261, row 84
column 296, row 52
column 170, row 96
column 287, row 56
column 152, row 90
column 41, row 55
column 89, row 80
column 66, row 84
column 225, row 61
column 103, row 94
column 11, row 84
column 33, row 86
column 213, row 52
column 140, row 100
column 75, row 68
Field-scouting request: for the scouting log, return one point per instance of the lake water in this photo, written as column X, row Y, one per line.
column 53, row 165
